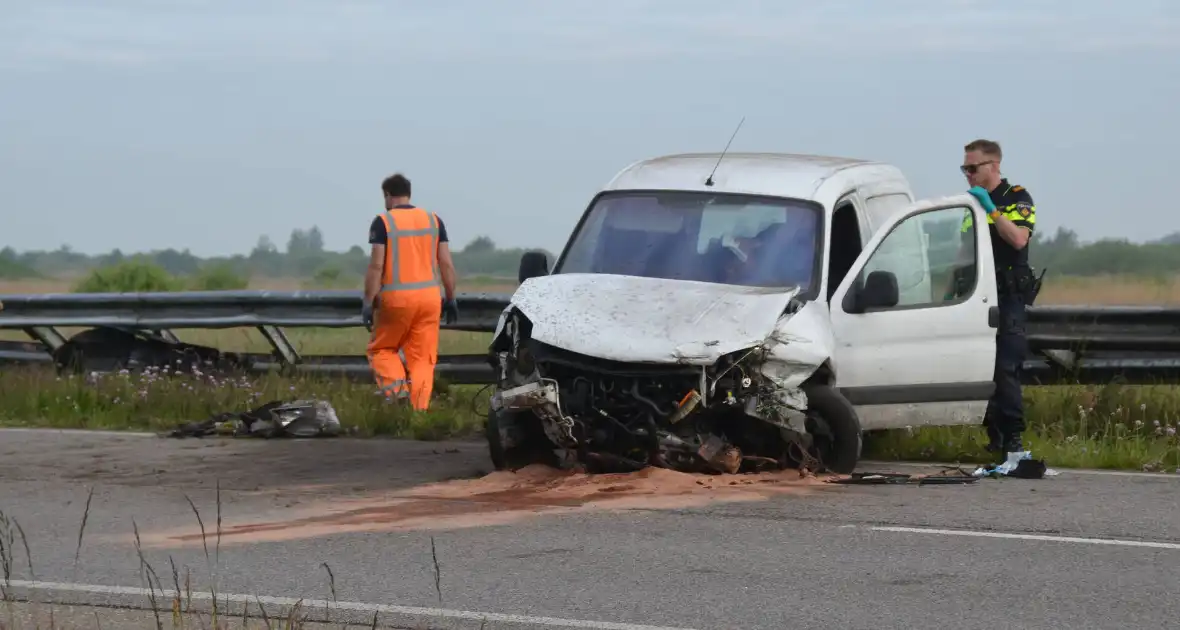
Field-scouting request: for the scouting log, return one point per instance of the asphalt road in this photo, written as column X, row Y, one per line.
column 1074, row 551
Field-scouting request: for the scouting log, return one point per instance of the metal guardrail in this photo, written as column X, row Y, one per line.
column 18, row 352
column 1068, row 344
column 40, row 315
column 217, row 309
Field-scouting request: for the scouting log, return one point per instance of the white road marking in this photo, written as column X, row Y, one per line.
column 1066, row 539
column 391, row 609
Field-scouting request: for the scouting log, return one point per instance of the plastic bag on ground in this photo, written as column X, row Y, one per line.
column 1019, row 464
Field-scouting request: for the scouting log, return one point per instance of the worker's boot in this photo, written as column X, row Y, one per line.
column 1013, row 443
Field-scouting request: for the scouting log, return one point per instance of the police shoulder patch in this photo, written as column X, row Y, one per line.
column 1024, row 212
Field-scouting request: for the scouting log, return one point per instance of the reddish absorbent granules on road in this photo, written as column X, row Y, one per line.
column 496, row 499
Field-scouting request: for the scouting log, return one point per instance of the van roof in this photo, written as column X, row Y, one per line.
column 777, row 174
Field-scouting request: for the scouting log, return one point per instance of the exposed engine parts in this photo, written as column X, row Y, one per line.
column 562, row 408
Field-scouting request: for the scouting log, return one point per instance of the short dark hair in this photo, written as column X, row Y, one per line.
column 396, row 185
column 986, row 147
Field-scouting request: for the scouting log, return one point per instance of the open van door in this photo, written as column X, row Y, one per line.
column 909, row 357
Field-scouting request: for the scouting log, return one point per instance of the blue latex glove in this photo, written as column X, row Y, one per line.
column 367, row 316
column 985, row 199
column 450, row 310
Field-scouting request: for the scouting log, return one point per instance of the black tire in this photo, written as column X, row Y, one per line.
column 495, row 444
column 530, row 447
column 835, row 428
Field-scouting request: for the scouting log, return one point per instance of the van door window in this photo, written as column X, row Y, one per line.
column 923, row 252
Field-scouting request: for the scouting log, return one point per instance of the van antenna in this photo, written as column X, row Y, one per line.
column 709, row 179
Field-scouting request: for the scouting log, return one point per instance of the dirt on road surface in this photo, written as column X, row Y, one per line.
column 496, row 499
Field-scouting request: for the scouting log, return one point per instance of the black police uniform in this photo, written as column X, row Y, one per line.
column 1004, row 418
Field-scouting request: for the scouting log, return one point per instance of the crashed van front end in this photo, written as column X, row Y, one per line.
column 705, row 378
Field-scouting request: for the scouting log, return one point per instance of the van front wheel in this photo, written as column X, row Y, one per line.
column 835, row 429
column 516, row 439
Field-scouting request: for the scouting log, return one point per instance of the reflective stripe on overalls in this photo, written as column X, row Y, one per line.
column 394, row 272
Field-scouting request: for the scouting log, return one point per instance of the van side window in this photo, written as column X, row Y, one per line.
column 879, row 208
column 931, row 258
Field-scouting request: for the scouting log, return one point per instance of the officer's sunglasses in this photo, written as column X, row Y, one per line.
column 971, row 169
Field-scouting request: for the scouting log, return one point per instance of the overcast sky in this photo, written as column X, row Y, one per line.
column 205, row 124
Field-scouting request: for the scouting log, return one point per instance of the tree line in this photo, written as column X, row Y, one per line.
column 1062, row 253
column 304, row 257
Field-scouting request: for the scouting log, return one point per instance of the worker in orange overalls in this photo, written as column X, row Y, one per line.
column 403, row 303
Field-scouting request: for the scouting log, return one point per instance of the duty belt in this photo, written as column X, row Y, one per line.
column 1019, row 280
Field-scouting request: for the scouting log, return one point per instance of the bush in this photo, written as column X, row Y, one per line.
column 12, row 270
column 221, row 277
column 131, row 276
column 333, row 277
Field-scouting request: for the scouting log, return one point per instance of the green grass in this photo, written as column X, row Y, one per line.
column 150, row 401
column 1108, row 427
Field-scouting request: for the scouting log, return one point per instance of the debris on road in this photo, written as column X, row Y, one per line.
column 950, row 476
column 1019, row 464
column 297, row 418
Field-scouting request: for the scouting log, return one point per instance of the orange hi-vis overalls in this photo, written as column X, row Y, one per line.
column 409, row 307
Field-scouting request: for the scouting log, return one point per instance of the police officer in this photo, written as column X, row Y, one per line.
column 1011, row 219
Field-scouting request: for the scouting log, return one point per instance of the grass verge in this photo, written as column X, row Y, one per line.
column 37, row 396
column 1114, row 426
column 1108, row 427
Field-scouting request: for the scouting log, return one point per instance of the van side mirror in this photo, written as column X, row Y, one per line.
column 532, row 265
column 879, row 291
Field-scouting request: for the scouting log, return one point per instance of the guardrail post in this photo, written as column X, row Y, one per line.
column 1064, row 359
column 47, row 335
column 282, row 346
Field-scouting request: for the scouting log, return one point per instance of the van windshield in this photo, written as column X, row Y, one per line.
column 707, row 237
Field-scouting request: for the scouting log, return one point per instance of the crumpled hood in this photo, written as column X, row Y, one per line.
column 648, row 320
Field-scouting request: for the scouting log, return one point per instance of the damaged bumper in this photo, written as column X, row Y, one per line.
column 745, row 409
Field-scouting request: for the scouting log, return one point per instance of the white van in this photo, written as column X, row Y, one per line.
column 763, row 314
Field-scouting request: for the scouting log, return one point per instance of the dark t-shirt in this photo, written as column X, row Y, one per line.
column 378, row 235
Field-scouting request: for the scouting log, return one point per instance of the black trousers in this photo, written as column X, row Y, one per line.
column 1004, row 418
